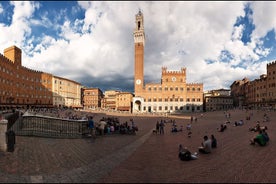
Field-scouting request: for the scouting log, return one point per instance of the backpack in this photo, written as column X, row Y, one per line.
column 266, row 138
column 185, row 156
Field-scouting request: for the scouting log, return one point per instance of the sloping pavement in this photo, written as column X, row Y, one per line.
column 146, row 157
column 37, row 159
column 233, row 161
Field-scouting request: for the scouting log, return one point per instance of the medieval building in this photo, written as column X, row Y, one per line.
column 24, row 87
column 173, row 94
column 258, row 93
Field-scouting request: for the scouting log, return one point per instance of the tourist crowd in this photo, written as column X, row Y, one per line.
column 111, row 125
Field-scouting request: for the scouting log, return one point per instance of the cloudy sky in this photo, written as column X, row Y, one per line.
column 91, row 42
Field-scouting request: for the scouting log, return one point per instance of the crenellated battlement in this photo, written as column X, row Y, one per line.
column 195, row 84
column 20, row 83
column 272, row 63
column 31, row 70
column 165, row 71
column 271, row 68
column 5, row 59
column 183, row 69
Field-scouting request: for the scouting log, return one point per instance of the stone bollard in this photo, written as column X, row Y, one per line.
column 3, row 130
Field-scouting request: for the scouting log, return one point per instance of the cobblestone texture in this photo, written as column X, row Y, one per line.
column 146, row 157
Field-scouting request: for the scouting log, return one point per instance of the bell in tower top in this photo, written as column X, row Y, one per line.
column 139, row 13
column 139, row 35
column 139, row 20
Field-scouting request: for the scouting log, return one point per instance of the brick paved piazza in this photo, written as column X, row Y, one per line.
column 146, row 157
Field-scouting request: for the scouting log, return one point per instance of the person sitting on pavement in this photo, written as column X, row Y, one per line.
column 134, row 125
column 112, row 128
column 214, row 141
column 123, row 129
column 227, row 122
column 240, row 123
column 185, row 155
column 259, row 138
column 258, row 127
column 265, row 135
column 174, row 128
column 189, row 134
column 189, row 126
column 222, row 127
column 206, row 145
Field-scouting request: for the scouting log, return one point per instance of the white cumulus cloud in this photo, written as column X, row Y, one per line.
column 98, row 50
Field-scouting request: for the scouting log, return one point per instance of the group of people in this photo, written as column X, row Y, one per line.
column 261, row 138
column 206, row 147
column 208, row 144
column 239, row 123
column 257, row 127
column 110, row 125
column 175, row 128
column 180, row 129
column 227, row 114
column 160, row 127
column 59, row 112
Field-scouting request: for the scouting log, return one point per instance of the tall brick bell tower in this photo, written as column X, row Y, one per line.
column 139, row 41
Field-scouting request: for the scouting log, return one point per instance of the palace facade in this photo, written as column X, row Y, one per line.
column 258, row 93
column 219, row 99
column 92, row 98
column 173, row 94
column 117, row 100
column 24, row 87
column 66, row 92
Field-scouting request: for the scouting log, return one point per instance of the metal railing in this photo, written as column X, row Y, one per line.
column 43, row 126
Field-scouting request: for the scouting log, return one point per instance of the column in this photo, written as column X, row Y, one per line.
column 3, row 130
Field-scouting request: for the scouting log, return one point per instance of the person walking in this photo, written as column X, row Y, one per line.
column 102, row 125
column 157, row 127
column 161, row 127
column 91, row 126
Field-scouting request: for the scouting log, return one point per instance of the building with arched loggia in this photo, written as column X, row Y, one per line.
column 173, row 94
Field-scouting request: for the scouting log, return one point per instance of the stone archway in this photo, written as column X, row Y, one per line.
column 137, row 106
